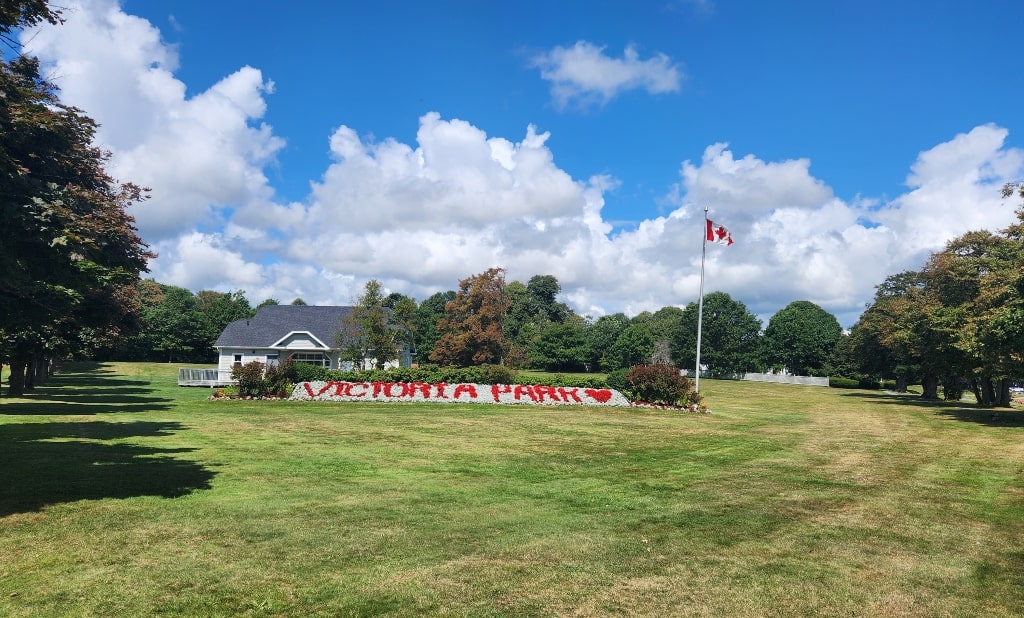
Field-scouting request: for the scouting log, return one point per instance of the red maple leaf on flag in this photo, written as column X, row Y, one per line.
column 718, row 233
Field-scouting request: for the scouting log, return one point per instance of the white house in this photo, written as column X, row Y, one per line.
column 303, row 333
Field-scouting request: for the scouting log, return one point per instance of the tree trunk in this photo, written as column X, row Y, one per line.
column 38, row 371
column 976, row 389
column 1003, row 400
column 901, row 384
column 930, row 386
column 16, row 383
column 988, row 391
column 29, row 376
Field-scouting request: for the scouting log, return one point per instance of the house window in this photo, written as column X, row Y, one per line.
column 320, row 360
column 272, row 360
column 238, row 360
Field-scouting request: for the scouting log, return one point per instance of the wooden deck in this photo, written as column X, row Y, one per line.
column 201, row 377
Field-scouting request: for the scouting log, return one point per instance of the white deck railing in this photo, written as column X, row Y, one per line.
column 200, row 377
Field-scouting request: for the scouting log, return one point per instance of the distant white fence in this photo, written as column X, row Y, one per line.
column 784, row 379
column 764, row 377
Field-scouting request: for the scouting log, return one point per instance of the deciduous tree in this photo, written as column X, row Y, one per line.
column 601, row 336
column 471, row 330
column 560, row 347
column 70, row 252
column 731, row 337
column 801, row 337
column 370, row 331
column 633, row 346
column 426, row 318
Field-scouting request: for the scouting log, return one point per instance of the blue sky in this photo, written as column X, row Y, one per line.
column 300, row 154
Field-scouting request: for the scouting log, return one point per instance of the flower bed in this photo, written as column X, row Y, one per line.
column 457, row 393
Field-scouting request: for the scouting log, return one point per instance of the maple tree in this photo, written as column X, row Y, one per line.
column 471, row 333
column 70, row 251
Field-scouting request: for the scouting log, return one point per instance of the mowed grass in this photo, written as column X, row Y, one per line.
column 124, row 495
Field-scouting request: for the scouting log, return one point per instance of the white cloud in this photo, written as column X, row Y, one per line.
column 198, row 154
column 583, row 72
column 751, row 185
column 421, row 216
column 203, row 261
column 953, row 186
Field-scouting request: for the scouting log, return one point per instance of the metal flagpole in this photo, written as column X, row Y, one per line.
column 700, row 305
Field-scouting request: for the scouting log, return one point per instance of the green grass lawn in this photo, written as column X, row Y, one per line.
column 124, row 495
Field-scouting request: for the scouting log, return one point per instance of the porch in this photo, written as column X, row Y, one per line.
column 201, row 377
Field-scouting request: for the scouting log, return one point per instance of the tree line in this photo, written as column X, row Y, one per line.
column 955, row 324
column 490, row 321
column 526, row 326
column 70, row 252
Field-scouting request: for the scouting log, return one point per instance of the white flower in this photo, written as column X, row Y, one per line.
column 457, row 393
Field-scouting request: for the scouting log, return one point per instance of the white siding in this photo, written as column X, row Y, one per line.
column 226, row 361
column 301, row 341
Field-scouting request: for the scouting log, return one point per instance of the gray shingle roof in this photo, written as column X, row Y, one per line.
column 273, row 322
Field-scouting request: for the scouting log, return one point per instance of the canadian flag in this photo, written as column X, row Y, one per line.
column 717, row 233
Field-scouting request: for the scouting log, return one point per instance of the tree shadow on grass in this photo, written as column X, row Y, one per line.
column 42, row 464
column 986, row 416
column 896, row 399
column 85, row 393
column 1003, row 417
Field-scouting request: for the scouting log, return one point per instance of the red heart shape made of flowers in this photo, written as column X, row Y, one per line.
column 602, row 395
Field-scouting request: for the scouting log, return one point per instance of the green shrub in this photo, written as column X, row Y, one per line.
column 305, row 372
column 661, row 385
column 870, row 384
column 432, row 374
column 571, row 381
column 258, row 380
column 497, row 374
column 617, row 379
column 837, row 382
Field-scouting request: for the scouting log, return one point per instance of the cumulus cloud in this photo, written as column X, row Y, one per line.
column 583, row 73
column 953, row 186
column 200, row 155
column 455, row 201
column 456, row 174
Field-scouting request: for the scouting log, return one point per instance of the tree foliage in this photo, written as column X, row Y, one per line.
column 425, row 321
column 801, row 337
column 532, row 309
column 560, row 347
column 959, row 321
column 178, row 325
column 601, row 335
column 70, row 252
column 730, row 338
column 370, row 331
column 633, row 346
column 471, row 330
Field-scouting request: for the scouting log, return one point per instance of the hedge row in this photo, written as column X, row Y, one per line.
column 432, row 374
column 863, row 383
